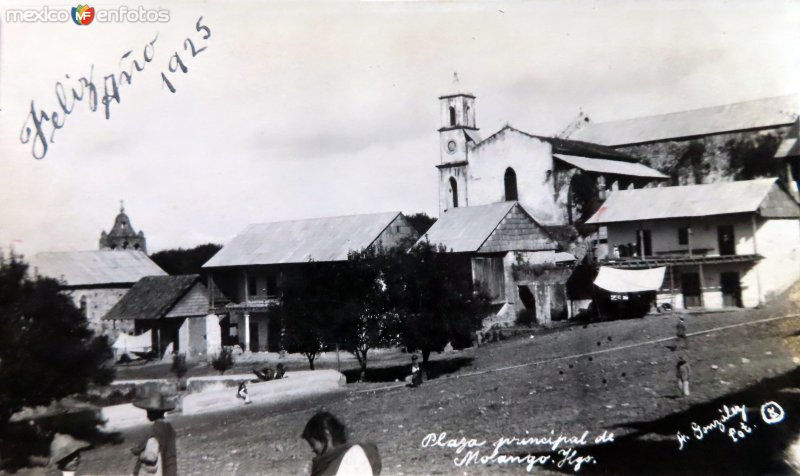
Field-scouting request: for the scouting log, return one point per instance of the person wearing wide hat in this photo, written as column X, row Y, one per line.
column 64, row 455
column 156, row 453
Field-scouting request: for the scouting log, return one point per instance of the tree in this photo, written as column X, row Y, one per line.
column 754, row 157
column 421, row 222
column 308, row 309
column 47, row 351
column 185, row 261
column 435, row 300
column 366, row 318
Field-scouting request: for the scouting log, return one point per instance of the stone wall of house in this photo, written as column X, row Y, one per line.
column 715, row 158
column 98, row 303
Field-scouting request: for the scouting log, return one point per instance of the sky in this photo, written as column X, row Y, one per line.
column 300, row 110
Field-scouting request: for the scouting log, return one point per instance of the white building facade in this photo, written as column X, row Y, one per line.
column 732, row 244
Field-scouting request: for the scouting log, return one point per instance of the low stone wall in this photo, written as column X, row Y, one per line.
column 220, row 395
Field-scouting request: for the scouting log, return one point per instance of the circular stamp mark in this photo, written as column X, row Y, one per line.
column 771, row 413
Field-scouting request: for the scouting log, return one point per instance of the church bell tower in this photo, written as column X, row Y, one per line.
column 457, row 134
column 457, row 123
column 122, row 235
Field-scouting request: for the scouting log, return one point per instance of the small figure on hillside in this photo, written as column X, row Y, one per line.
column 265, row 374
column 680, row 334
column 327, row 437
column 682, row 370
column 243, row 393
column 156, row 453
column 415, row 378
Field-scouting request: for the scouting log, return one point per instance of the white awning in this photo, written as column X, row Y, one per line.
column 129, row 343
column 630, row 280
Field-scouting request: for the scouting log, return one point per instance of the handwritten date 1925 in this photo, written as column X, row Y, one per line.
column 176, row 63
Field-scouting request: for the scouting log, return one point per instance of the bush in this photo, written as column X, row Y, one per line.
column 223, row 361
column 179, row 368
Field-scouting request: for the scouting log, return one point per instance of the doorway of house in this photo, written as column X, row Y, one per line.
column 254, row 336
column 527, row 316
column 690, row 288
column 731, row 289
column 727, row 245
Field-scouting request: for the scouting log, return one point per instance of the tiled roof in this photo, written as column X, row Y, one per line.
column 152, row 297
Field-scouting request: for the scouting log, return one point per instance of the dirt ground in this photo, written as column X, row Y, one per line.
column 613, row 377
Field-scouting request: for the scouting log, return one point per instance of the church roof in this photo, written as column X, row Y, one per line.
column 745, row 115
column 300, row 241
column 471, row 229
column 761, row 195
column 91, row 268
column 614, row 167
column 152, row 297
column 568, row 146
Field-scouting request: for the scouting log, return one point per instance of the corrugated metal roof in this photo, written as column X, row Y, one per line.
column 684, row 201
column 464, row 229
column 85, row 268
column 299, row 241
column 616, row 167
column 152, row 297
column 767, row 112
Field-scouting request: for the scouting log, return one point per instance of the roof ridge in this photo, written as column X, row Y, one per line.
column 325, row 218
column 696, row 109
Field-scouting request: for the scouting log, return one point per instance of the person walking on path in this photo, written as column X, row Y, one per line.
column 327, row 437
column 156, row 452
column 682, row 370
column 680, row 334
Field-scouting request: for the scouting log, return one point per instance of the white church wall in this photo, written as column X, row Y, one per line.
column 532, row 162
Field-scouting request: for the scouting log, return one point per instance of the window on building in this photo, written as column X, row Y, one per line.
column 510, row 180
column 466, row 115
column 452, row 116
column 454, row 192
column 683, row 235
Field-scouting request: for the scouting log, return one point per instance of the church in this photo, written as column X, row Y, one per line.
column 97, row 279
column 512, row 206
column 122, row 235
column 560, row 181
